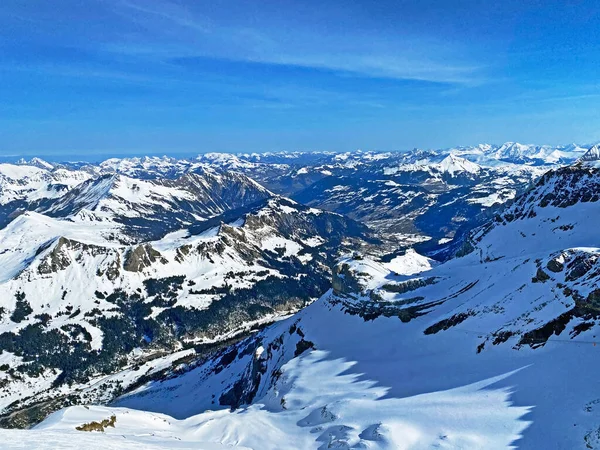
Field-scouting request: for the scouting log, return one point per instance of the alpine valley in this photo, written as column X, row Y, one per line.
column 303, row 300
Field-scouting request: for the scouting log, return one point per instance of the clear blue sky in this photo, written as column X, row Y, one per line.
column 119, row 77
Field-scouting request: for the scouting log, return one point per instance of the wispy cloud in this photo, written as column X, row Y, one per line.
column 174, row 31
column 168, row 11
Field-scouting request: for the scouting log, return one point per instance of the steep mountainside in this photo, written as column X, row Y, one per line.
column 593, row 154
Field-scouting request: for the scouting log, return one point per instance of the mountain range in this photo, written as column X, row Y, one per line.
column 423, row 299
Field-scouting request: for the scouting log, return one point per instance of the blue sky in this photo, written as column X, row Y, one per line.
column 95, row 78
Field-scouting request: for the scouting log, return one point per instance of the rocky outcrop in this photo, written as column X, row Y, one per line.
column 112, row 270
column 540, row 276
column 57, row 259
column 555, row 265
column 141, row 257
column 346, row 281
column 580, row 266
column 593, row 300
column 408, row 285
column 63, row 254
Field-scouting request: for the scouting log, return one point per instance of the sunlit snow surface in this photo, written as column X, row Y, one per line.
column 410, row 263
column 341, row 410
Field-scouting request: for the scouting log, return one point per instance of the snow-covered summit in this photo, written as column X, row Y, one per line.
column 453, row 164
column 593, row 154
column 516, row 150
column 36, row 162
column 34, row 182
column 226, row 160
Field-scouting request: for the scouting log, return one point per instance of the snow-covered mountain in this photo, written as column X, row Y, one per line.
column 451, row 165
column 492, row 349
column 149, row 209
column 152, row 284
column 593, row 154
column 144, row 168
column 79, row 302
column 33, row 186
column 426, row 200
column 36, row 162
column 536, row 154
column 30, row 182
column 398, row 193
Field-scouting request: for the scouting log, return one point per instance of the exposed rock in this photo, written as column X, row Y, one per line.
column 409, row 285
column 580, row 266
column 113, row 270
column 593, row 299
column 345, row 280
column 98, row 426
column 57, row 259
column 60, row 257
column 302, row 346
column 182, row 252
column 448, row 323
column 554, row 265
column 540, row 276
column 141, row 257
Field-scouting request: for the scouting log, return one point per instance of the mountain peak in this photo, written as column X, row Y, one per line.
column 455, row 164
column 225, row 160
column 35, row 162
column 593, row 154
column 511, row 150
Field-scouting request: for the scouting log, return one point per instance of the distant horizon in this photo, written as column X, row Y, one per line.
column 97, row 157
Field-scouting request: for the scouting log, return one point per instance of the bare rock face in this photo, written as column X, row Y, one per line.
column 57, row 259
column 555, row 265
column 346, row 281
column 61, row 256
column 141, row 257
column 580, row 266
column 593, row 300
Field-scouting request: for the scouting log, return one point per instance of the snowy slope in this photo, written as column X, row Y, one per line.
column 131, row 430
column 593, row 154
column 453, row 164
